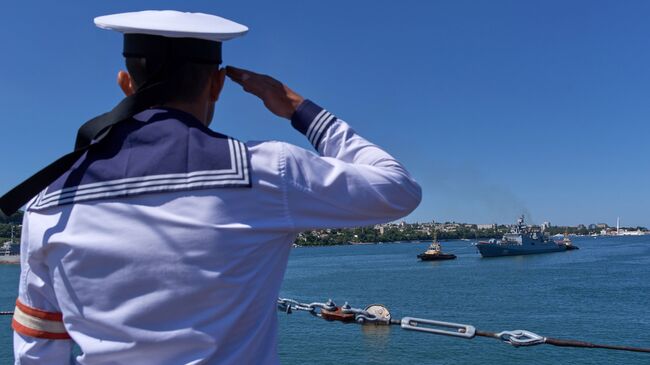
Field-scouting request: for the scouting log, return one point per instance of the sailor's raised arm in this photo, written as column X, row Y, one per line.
column 350, row 182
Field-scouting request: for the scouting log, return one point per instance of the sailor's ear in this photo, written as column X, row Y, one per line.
column 216, row 83
column 125, row 82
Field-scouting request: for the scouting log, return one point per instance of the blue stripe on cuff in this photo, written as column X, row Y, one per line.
column 312, row 121
column 305, row 115
column 319, row 136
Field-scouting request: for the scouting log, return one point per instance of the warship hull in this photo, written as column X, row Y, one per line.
column 9, row 259
column 496, row 250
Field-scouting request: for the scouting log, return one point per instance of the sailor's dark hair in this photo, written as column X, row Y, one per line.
column 185, row 82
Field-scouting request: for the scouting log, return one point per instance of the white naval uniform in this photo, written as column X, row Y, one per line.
column 188, row 270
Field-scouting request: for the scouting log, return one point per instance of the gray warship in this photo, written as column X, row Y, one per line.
column 10, row 251
column 522, row 240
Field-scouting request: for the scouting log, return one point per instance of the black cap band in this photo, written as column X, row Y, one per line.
column 181, row 49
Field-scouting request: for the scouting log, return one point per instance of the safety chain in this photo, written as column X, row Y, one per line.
column 379, row 315
column 330, row 311
column 289, row 305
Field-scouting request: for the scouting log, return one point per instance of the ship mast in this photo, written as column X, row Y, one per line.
column 435, row 232
column 435, row 246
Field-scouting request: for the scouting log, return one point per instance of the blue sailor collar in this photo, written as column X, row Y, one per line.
column 159, row 150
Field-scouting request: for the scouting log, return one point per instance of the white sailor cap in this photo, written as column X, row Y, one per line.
column 172, row 34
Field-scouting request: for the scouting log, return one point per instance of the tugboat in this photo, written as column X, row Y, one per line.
column 566, row 241
column 434, row 252
column 521, row 241
column 10, row 251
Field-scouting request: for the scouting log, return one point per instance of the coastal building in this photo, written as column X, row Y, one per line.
column 452, row 227
column 486, row 226
column 625, row 232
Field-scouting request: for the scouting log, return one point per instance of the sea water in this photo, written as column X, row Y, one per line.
column 600, row 293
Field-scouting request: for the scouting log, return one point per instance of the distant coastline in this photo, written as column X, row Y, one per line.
column 410, row 232
column 402, row 231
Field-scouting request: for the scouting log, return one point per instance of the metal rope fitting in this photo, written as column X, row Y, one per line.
column 461, row 330
column 521, row 338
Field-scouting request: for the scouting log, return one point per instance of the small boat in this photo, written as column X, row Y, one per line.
column 434, row 252
column 566, row 241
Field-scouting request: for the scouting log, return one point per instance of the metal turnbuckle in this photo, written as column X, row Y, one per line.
column 521, row 338
column 461, row 330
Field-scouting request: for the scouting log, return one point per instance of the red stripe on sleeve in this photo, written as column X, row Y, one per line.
column 51, row 316
column 19, row 328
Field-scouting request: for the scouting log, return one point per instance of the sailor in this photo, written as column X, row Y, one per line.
column 167, row 242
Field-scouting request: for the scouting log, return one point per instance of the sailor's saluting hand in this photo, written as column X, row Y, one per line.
column 277, row 97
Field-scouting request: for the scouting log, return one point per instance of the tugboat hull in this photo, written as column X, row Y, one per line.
column 442, row 256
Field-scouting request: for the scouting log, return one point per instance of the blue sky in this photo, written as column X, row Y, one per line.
column 497, row 107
